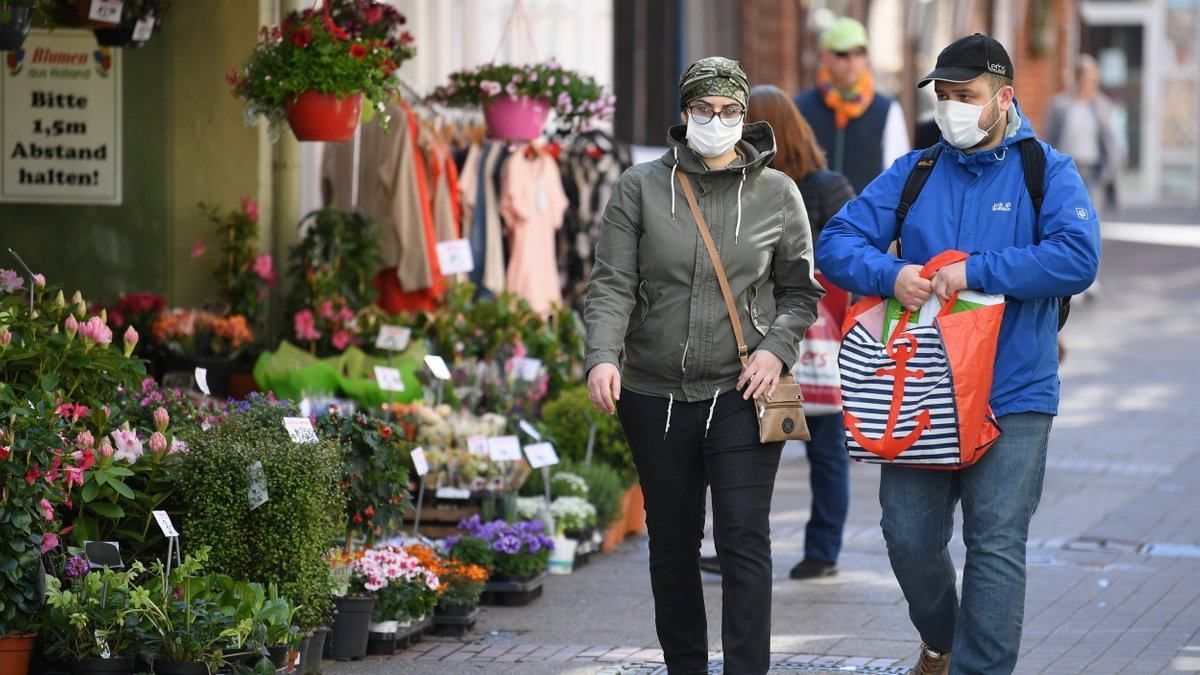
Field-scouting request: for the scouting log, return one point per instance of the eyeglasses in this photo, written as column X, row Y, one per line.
column 857, row 51
column 730, row 115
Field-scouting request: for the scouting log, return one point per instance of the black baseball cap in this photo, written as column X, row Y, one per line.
column 969, row 57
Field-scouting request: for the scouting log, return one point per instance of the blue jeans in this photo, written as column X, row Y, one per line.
column 829, row 479
column 999, row 495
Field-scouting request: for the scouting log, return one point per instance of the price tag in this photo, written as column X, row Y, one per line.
column 478, row 445
column 529, row 429
column 144, row 29
column 202, row 380
column 504, row 448
column 527, row 369
column 437, row 366
column 452, row 493
column 393, row 338
column 300, row 429
column 165, row 524
column 541, row 455
column 455, row 256
column 420, row 463
column 389, row 378
column 106, row 11
column 257, row 493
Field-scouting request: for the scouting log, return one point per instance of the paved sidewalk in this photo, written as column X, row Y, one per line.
column 1114, row 557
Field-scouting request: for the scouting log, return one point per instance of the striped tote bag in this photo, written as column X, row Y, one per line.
column 919, row 397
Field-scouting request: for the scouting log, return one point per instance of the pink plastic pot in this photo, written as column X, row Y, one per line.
column 516, row 119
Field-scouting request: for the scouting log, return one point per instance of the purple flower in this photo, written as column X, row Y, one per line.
column 534, row 545
column 507, row 544
column 76, row 567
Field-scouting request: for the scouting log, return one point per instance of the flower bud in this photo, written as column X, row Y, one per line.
column 71, row 326
column 85, row 439
column 161, row 418
column 5, row 337
column 59, row 301
column 158, row 443
column 106, row 448
column 39, row 281
column 131, row 340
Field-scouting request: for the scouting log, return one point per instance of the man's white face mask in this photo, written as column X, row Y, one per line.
column 959, row 122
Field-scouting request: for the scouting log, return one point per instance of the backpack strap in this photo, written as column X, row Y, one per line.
column 1033, row 164
column 917, row 177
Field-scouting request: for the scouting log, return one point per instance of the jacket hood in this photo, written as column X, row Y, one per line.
column 757, row 149
column 1017, row 129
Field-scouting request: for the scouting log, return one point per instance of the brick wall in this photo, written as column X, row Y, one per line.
column 774, row 42
column 1041, row 77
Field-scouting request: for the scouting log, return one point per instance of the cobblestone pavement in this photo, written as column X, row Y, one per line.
column 1114, row 556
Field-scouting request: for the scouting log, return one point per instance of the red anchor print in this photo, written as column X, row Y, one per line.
column 901, row 348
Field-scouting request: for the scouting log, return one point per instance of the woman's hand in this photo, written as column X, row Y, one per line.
column 761, row 376
column 604, row 387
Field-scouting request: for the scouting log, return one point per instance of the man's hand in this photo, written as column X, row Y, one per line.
column 761, row 376
column 911, row 290
column 950, row 280
column 604, row 387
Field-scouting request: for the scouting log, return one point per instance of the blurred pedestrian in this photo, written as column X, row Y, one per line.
column 861, row 130
column 682, row 395
column 1080, row 125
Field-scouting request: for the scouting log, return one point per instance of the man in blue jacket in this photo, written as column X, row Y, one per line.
column 975, row 201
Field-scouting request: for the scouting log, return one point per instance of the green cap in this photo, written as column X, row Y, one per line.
column 714, row 76
column 843, row 35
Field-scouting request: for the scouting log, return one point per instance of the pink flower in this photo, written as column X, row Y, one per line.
column 74, row 475
column 129, row 448
column 5, row 337
column 49, row 542
column 341, row 340
column 346, row 315
column 106, row 448
column 305, row 325
column 10, row 281
column 197, row 249
column 85, row 440
column 96, row 331
column 131, row 340
column 158, row 443
column 72, row 411
column 85, row 460
column 177, row 446
column 39, row 281
column 161, row 418
column 327, row 309
column 250, row 208
column 47, row 509
column 71, row 327
column 265, row 268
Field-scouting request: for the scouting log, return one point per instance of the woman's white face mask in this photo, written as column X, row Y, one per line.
column 959, row 122
column 714, row 138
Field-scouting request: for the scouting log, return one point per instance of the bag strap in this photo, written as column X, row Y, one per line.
column 917, row 177
column 730, row 306
column 943, row 259
column 1033, row 163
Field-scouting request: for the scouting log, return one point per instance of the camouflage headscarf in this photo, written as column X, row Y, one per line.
column 714, row 76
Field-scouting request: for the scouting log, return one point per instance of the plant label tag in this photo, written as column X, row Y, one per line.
column 389, row 378
column 300, row 429
column 541, row 455
column 202, row 381
column 529, row 429
column 257, row 493
column 420, row 463
column 393, row 338
column 478, row 446
column 530, row 369
column 455, row 257
column 437, row 366
column 144, row 29
column 106, row 11
column 504, row 448
column 165, row 524
column 453, row 493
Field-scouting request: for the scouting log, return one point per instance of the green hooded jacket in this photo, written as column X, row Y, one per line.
column 653, row 295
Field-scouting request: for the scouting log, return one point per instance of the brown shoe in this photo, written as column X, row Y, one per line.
column 932, row 662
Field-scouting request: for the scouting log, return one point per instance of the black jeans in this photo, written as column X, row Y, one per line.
column 674, row 472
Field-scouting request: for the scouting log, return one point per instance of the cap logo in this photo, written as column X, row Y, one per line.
column 997, row 68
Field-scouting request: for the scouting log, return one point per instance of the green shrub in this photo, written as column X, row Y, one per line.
column 564, row 421
column 606, row 487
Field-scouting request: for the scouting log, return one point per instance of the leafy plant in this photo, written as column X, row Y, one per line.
column 193, row 332
column 563, row 420
column 95, row 617
column 243, row 273
column 408, row 590
column 517, row 549
column 461, row 583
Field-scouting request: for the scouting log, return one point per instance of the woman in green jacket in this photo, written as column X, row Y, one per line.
column 661, row 354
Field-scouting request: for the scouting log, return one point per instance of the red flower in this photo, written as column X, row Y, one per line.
column 87, row 459
column 370, row 511
column 386, row 432
column 302, row 37
column 358, row 518
column 406, row 38
column 388, row 67
column 4, row 451
column 332, row 29
column 373, row 15
column 231, row 78
column 359, row 52
column 32, row 475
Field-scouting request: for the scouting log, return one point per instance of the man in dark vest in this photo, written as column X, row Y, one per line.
column 861, row 131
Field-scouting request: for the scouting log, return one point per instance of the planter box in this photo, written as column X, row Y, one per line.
column 455, row 624
column 513, row 592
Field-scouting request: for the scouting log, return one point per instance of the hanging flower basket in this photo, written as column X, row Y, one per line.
column 314, row 116
column 121, row 35
column 14, row 26
column 516, row 119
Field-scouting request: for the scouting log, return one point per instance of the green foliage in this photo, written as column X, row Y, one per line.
column 243, row 275
column 283, row 541
column 95, row 617
column 473, row 551
column 564, row 422
column 605, row 487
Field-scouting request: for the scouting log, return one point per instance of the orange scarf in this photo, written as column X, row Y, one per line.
column 846, row 109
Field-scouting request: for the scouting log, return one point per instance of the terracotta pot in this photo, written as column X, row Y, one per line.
column 614, row 536
column 15, row 650
column 14, row 31
column 516, row 119
column 314, row 116
column 635, row 510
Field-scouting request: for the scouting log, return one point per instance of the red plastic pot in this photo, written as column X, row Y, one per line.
column 314, row 116
column 516, row 119
column 15, row 650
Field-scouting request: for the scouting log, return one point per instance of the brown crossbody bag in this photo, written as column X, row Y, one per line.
column 780, row 417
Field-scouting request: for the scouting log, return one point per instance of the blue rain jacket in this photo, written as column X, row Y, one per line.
column 978, row 203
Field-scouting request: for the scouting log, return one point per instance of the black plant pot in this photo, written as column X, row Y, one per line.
column 165, row 667
column 454, row 610
column 122, row 666
column 351, row 628
column 279, row 654
column 120, row 35
column 16, row 28
column 218, row 370
column 311, row 660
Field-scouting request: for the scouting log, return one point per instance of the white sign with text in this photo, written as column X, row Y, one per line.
column 504, row 448
column 455, row 257
column 541, row 455
column 300, row 429
column 393, row 338
column 420, row 462
column 389, row 379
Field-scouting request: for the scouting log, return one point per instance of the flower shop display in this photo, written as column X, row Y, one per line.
column 16, row 16
column 461, row 589
column 356, row 583
column 314, row 73
column 517, row 555
column 517, row 99
column 196, row 338
column 405, row 594
column 94, row 624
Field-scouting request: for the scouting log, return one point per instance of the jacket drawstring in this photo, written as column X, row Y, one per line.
column 683, row 361
column 738, row 230
column 710, row 411
column 674, row 168
column 670, row 404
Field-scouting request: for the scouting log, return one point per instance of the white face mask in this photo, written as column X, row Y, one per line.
column 713, row 139
column 959, row 122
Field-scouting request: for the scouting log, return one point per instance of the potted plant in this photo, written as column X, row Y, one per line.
column 574, row 515
column 196, row 338
column 516, row 99
column 94, row 623
column 358, row 579
column 374, row 470
column 313, row 73
column 138, row 21
column 15, row 18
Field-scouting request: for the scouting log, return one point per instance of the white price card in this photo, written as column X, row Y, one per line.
column 389, row 379
column 437, row 366
column 300, row 429
column 504, row 448
column 420, row 463
column 106, row 11
column 393, row 338
column 144, row 29
column 452, row 493
column 165, row 524
column 541, row 455
column 455, row 257
column 527, row 369
column 257, row 492
column 529, row 429
column 202, row 381
column 478, row 445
